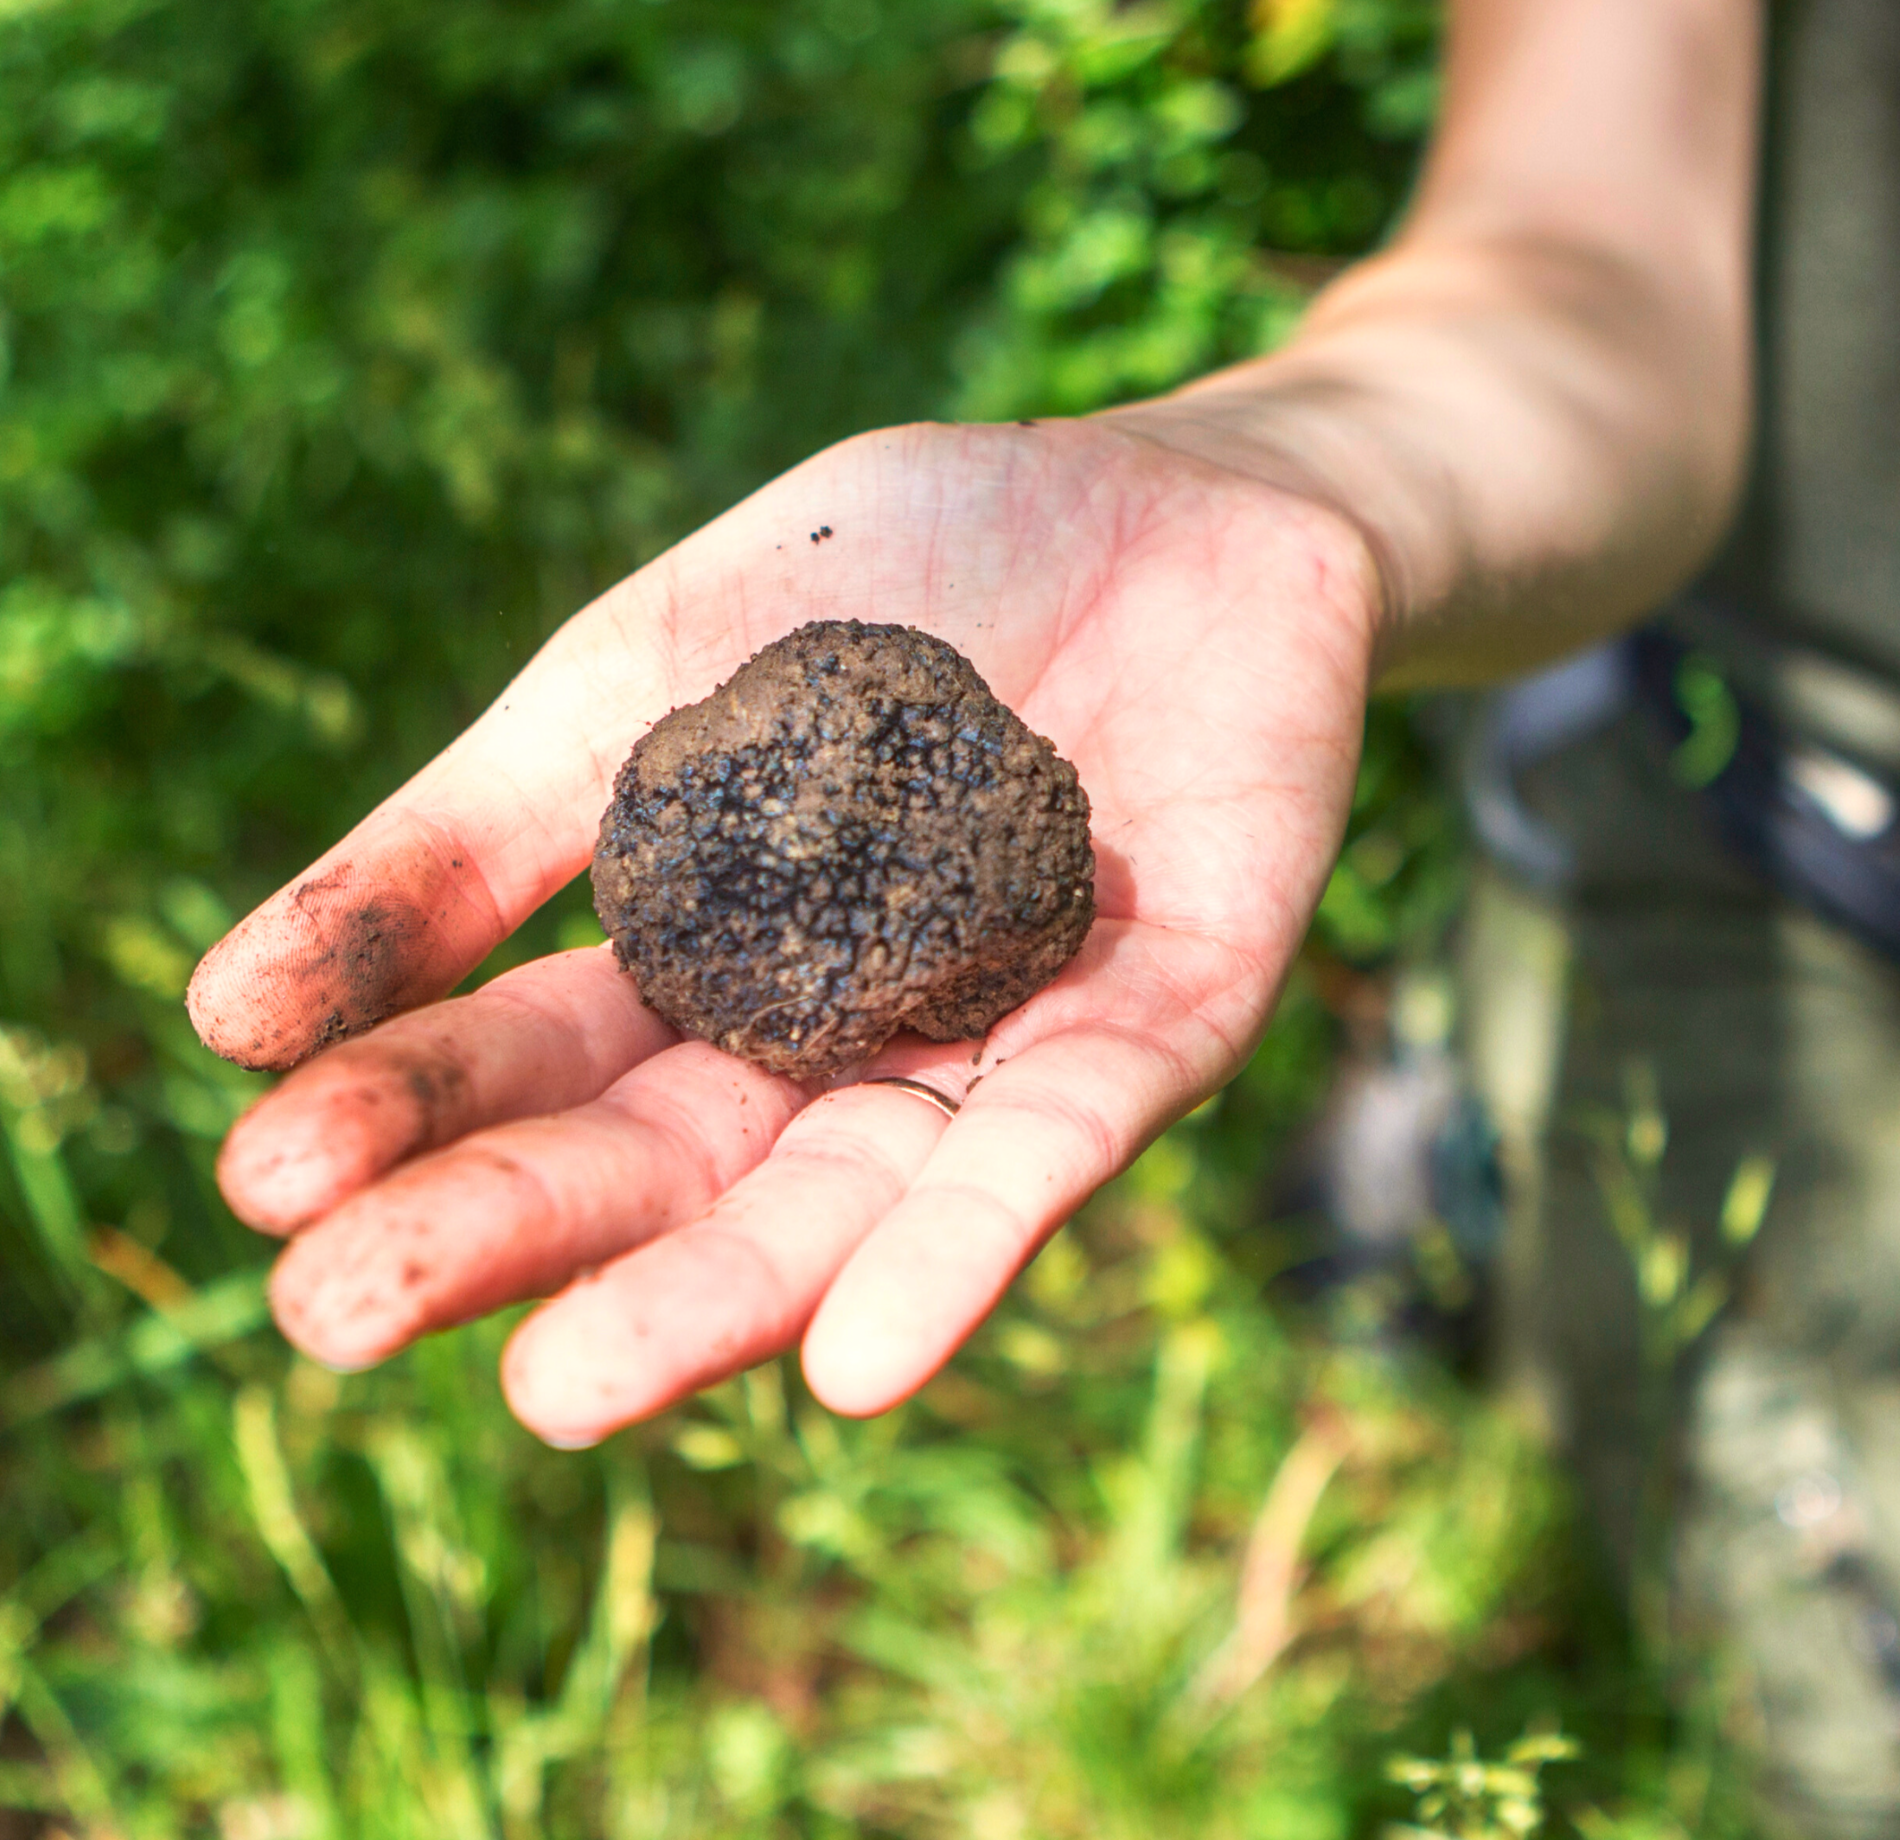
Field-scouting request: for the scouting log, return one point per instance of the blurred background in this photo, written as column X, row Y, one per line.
column 345, row 348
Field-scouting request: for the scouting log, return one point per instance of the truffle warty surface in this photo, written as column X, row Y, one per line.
column 849, row 837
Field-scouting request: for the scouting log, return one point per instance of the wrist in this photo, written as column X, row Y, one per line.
column 1294, row 477
column 1538, row 442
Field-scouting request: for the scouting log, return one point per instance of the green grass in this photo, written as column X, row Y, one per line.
column 1157, row 1556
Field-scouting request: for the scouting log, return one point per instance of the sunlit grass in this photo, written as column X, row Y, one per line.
column 1153, row 1558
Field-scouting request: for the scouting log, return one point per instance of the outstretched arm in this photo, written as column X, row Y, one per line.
column 1516, row 428
column 1535, row 403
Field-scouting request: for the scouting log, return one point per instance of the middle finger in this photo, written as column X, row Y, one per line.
column 536, row 1040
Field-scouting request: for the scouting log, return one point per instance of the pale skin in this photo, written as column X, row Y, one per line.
column 1516, row 429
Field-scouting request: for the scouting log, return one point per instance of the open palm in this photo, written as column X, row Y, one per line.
column 1195, row 642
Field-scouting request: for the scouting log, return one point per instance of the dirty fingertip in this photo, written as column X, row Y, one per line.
column 342, row 949
column 276, row 1175
column 235, row 1018
column 343, row 1334
column 286, row 984
column 314, row 1142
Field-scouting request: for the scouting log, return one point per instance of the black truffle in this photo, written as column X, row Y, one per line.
column 849, row 837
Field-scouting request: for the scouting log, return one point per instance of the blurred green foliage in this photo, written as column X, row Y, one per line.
column 344, row 349
column 1157, row 189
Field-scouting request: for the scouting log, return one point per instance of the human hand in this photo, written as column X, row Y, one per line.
column 1196, row 643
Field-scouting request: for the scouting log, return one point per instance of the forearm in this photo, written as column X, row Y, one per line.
column 1535, row 405
column 1535, row 448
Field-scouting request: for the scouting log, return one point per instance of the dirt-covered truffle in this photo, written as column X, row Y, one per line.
column 849, row 837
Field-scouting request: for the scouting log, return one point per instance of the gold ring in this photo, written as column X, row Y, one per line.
column 918, row 1090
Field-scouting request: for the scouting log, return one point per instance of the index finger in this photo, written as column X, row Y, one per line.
column 419, row 892
column 423, row 888
column 414, row 897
